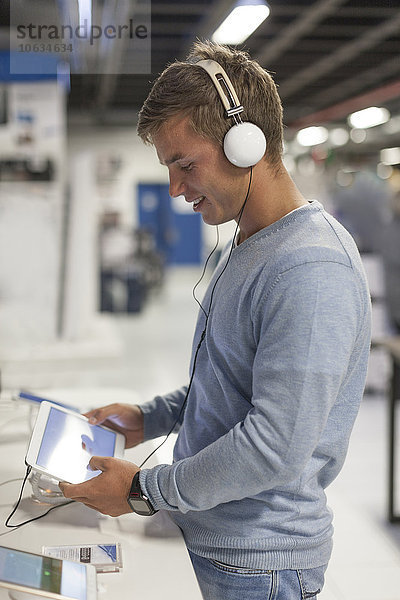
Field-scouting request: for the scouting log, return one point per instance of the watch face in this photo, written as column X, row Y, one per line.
column 140, row 506
column 137, row 501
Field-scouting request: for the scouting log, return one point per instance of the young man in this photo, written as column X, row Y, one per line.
column 279, row 355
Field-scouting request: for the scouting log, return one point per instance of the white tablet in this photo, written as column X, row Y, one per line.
column 34, row 575
column 63, row 442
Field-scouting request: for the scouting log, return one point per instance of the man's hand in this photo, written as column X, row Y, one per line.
column 108, row 492
column 125, row 418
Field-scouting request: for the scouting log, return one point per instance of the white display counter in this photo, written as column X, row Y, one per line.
column 153, row 566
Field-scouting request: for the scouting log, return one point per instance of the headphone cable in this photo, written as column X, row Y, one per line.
column 232, row 245
column 14, row 510
column 203, row 335
column 203, row 273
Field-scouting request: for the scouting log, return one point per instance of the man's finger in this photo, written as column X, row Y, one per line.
column 98, row 463
column 74, row 491
column 99, row 415
column 66, row 488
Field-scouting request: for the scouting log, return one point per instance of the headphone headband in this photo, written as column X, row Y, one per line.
column 223, row 86
column 244, row 143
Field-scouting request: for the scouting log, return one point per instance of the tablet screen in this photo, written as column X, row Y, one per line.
column 68, row 444
column 43, row 573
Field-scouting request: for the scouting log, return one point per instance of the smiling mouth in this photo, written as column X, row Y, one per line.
column 197, row 202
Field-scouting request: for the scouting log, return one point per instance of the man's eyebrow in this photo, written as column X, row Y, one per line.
column 171, row 160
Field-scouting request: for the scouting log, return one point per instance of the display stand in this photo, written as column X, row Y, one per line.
column 392, row 345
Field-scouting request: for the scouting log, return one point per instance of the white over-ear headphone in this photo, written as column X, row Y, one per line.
column 244, row 143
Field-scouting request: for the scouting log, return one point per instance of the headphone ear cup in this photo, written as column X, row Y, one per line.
column 244, row 144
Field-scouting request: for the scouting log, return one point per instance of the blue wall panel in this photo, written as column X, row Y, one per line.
column 177, row 230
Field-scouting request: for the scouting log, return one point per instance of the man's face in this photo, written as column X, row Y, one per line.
column 199, row 171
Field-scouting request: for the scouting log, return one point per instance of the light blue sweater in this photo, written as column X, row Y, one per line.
column 278, row 383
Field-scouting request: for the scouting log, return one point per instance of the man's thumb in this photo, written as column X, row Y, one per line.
column 98, row 463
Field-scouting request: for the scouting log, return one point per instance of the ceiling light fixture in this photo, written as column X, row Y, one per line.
column 339, row 136
column 242, row 21
column 358, row 136
column 312, row 136
column 390, row 156
column 369, row 117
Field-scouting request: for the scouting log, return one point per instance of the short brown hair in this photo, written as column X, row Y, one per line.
column 183, row 88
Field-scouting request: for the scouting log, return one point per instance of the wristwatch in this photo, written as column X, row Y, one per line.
column 138, row 502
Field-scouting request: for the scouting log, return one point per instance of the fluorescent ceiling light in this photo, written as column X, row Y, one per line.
column 369, row 117
column 240, row 23
column 390, row 156
column 312, row 136
column 339, row 136
column 85, row 12
column 358, row 136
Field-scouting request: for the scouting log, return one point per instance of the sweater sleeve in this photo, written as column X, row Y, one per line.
column 161, row 413
column 306, row 326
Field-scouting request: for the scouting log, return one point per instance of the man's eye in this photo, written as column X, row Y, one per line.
column 187, row 168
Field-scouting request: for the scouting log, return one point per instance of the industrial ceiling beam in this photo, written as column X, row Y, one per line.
column 343, row 54
column 279, row 10
column 366, row 79
column 298, row 28
column 342, row 109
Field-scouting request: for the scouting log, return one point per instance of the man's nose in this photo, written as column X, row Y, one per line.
column 176, row 185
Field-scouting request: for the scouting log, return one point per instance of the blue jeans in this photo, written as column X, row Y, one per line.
column 223, row 582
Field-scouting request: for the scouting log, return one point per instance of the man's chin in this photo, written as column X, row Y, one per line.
column 213, row 219
column 209, row 220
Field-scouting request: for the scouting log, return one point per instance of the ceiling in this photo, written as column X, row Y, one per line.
column 329, row 57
